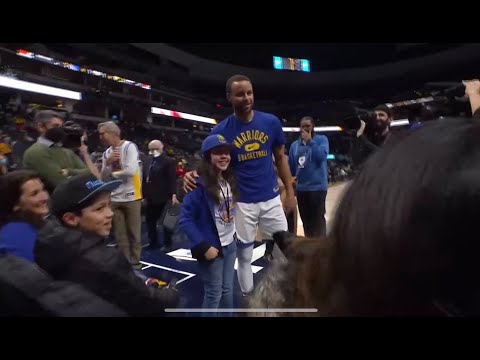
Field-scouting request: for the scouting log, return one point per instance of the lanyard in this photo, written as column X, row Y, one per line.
column 226, row 198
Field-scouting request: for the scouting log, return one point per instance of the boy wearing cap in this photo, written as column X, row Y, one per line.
column 71, row 247
column 207, row 218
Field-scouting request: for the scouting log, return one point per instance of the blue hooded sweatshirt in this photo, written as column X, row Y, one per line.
column 308, row 162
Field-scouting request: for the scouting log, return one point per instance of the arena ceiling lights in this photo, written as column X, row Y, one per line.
column 74, row 67
column 181, row 115
column 402, row 122
column 318, row 129
column 12, row 83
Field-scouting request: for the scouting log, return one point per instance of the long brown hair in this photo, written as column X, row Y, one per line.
column 11, row 190
column 404, row 237
column 210, row 179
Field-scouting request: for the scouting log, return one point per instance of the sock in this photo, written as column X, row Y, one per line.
column 244, row 271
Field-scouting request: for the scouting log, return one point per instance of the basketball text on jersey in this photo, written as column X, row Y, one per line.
column 249, row 140
column 253, row 144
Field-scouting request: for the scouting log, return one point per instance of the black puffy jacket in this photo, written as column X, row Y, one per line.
column 26, row 290
column 68, row 254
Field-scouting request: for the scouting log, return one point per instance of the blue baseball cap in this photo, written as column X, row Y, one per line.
column 213, row 141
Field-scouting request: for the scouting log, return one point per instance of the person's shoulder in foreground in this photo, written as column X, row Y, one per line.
column 29, row 291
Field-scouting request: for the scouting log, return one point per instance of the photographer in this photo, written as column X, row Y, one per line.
column 373, row 133
column 49, row 158
column 75, row 140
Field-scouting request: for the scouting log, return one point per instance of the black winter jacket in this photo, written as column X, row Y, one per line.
column 68, row 254
column 26, row 290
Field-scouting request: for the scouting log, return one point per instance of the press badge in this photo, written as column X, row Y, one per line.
column 301, row 162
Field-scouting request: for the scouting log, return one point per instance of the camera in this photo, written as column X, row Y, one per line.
column 443, row 107
column 353, row 122
column 438, row 99
column 73, row 135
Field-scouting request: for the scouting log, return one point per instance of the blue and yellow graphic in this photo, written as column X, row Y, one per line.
column 251, row 141
column 226, row 210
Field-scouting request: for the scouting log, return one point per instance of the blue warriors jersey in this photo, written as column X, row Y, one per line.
column 252, row 150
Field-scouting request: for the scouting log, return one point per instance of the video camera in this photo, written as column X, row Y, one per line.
column 437, row 99
column 353, row 122
column 446, row 99
column 73, row 135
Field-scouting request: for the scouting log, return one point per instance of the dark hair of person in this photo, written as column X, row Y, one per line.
column 404, row 240
column 210, row 179
column 11, row 191
column 235, row 78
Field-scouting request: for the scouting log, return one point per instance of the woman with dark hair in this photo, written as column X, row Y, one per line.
column 207, row 218
column 404, row 239
column 23, row 209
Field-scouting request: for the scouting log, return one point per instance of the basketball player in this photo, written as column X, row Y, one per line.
column 255, row 137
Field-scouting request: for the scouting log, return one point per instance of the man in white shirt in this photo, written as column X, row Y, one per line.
column 120, row 161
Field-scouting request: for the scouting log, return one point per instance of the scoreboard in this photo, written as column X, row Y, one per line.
column 293, row 64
